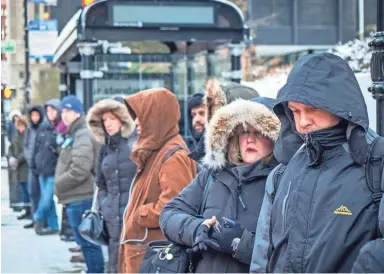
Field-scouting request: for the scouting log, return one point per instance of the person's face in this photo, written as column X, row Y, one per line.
column 138, row 126
column 69, row 116
column 51, row 113
column 309, row 119
column 35, row 117
column 20, row 128
column 254, row 146
column 111, row 123
column 199, row 118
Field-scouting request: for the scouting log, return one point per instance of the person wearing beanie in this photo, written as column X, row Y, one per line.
column 197, row 119
column 74, row 176
column 36, row 117
column 111, row 124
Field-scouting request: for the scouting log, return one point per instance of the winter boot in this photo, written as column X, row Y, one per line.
column 38, row 226
column 31, row 225
column 27, row 214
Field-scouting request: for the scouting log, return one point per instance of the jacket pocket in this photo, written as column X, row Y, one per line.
column 285, row 206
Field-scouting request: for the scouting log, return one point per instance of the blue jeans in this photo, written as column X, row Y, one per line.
column 93, row 254
column 24, row 191
column 34, row 190
column 47, row 208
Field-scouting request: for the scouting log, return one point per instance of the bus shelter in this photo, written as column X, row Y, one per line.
column 116, row 48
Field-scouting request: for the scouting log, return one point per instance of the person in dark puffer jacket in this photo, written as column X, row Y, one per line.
column 239, row 142
column 371, row 255
column 111, row 124
column 44, row 162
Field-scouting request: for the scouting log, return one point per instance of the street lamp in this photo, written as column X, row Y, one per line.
column 377, row 67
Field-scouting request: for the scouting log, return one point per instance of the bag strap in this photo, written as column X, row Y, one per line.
column 172, row 151
column 94, row 202
column 374, row 169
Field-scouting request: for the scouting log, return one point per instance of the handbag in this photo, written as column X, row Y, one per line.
column 93, row 228
column 166, row 257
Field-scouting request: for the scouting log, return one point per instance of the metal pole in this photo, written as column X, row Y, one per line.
column 27, row 87
column 236, row 73
column 361, row 19
column 211, row 63
column 191, row 75
column 87, row 74
column 63, row 85
column 3, row 129
column 377, row 68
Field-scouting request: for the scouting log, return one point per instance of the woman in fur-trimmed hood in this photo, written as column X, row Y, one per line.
column 112, row 126
column 216, row 215
column 217, row 95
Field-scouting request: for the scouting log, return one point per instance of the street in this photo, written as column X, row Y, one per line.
column 22, row 251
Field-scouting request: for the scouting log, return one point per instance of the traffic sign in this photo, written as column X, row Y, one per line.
column 8, row 46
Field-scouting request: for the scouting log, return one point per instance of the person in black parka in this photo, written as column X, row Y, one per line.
column 318, row 213
column 112, row 125
column 239, row 141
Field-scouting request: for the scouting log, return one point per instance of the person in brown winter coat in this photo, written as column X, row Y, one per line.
column 163, row 170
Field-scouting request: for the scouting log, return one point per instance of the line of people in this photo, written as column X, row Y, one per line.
column 264, row 185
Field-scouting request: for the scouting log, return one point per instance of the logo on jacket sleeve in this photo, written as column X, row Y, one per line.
column 342, row 210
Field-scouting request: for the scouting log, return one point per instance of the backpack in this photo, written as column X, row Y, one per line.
column 374, row 168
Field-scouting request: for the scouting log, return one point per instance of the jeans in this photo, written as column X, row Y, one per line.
column 46, row 211
column 24, row 191
column 93, row 254
column 34, row 190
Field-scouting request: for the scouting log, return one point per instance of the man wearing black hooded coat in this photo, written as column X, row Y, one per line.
column 36, row 116
column 322, row 211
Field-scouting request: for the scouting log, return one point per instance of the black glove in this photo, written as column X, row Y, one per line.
column 202, row 240
column 229, row 231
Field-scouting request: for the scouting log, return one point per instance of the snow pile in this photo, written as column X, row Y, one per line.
column 357, row 53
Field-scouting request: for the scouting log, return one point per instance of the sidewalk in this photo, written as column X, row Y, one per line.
column 22, row 251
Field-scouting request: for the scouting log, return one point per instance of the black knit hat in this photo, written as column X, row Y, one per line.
column 195, row 100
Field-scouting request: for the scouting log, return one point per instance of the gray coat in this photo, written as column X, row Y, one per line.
column 323, row 214
column 222, row 189
column 115, row 172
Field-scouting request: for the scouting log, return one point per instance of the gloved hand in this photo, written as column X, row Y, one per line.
column 13, row 163
column 229, row 231
column 202, row 240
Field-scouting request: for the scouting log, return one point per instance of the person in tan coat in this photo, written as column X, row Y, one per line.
column 163, row 170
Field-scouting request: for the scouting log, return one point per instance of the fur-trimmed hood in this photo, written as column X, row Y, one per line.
column 219, row 94
column 95, row 123
column 223, row 123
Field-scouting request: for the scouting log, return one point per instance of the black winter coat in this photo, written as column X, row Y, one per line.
column 222, row 192
column 45, row 152
column 114, row 178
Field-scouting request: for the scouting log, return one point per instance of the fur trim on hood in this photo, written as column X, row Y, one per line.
column 13, row 113
column 95, row 123
column 219, row 94
column 223, row 123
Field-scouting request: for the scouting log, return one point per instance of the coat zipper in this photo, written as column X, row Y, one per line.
column 285, row 205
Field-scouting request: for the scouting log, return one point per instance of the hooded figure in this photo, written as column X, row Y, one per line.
column 46, row 155
column 30, row 138
column 317, row 223
column 219, row 94
column 36, row 117
column 163, row 170
column 229, row 186
column 116, row 170
column 11, row 126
